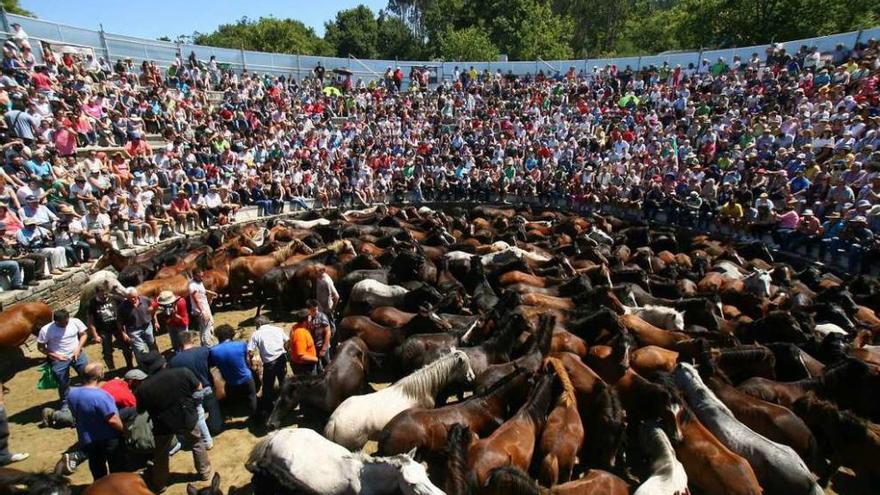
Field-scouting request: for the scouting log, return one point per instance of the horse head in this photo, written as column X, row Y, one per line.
column 427, row 320
column 758, row 282
column 213, row 489
column 462, row 367
column 413, row 477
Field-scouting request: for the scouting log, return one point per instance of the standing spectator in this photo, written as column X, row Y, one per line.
column 230, row 357
column 137, row 314
column 319, row 326
column 303, row 357
column 104, row 327
column 7, row 457
column 62, row 341
column 196, row 359
column 325, row 293
column 168, row 396
column 98, row 424
column 173, row 317
column 268, row 343
column 201, row 307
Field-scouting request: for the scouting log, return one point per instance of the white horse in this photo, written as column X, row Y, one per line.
column 104, row 278
column 599, row 236
column 375, row 293
column 361, row 417
column 668, row 476
column 826, row 329
column 307, row 224
column 659, row 316
column 303, row 459
column 778, row 467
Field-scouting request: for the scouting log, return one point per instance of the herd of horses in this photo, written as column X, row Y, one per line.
column 546, row 352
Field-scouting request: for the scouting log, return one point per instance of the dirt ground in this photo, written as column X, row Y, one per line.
column 24, row 404
column 231, row 448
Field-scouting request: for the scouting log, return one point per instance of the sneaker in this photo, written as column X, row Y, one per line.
column 48, row 415
column 68, row 463
column 19, row 457
column 175, row 449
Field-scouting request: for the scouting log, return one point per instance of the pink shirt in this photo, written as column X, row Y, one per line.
column 789, row 220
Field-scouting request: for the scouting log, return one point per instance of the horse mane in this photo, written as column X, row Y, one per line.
column 505, row 336
column 848, row 426
column 425, row 380
column 284, row 252
column 842, row 371
column 567, row 397
column 747, row 353
column 457, row 443
column 538, row 403
column 510, row 480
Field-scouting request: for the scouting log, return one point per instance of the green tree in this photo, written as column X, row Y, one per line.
column 467, row 44
column 13, row 7
column 354, row 32
column 268, row 34
column 397, row 40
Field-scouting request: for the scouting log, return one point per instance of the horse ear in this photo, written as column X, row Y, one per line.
column 412, row 453
column 215, row 483
column 191, row 489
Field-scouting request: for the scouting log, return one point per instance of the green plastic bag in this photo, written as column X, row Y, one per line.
column 47, row 379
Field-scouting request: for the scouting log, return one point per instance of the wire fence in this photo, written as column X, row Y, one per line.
column 116, row 46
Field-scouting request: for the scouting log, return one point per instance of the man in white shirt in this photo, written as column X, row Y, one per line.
column 201, row 308
column 269, row 343
column 62, row 342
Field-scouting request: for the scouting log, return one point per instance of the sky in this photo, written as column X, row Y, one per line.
column 154, row 18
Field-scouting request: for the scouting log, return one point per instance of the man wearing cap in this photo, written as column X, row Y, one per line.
column 855, row 239
column 173, row 316
column 35, row 239
column 105, row 327
column 62, row 341
column 39, row 213
column 168, row 395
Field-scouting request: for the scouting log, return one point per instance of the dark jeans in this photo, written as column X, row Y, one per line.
column 107, row 338
column 247, row 390
column 13, row 270
column 5, row 456
column 158, row 478
column 61, row 370
column 34, row 266
column 77, row 253
column 272, row 372
column 215, row 417
column 104, row 456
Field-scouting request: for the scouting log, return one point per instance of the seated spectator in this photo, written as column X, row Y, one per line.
column 183, row 213
column 35, row 239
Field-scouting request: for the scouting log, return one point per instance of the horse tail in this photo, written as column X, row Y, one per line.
column 548, row 473
column 567, row 399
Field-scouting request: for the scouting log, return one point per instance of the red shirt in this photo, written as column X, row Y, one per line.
column 121, row 393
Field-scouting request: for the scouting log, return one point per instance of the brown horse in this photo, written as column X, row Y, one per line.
column 513, row 443
column 563, row 435
column 427, row 429
column 346, row 375
column 710, row 465
column 178, row 284
column 647, row 334
column 186, row 263
column 246, row 269
column 853, row 442
column 134, row 484
column 509, row 480
column 378, row 338
column 651, row 359
column 765, row 418
column 21, row 321
column 783, row 393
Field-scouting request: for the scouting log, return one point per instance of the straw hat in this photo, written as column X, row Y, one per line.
column 166, row 297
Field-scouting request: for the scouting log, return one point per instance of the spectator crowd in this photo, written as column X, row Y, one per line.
column 785, row 143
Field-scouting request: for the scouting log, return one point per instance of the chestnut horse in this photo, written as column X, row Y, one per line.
column 509, row 480
column 563, row 435
column 21, row 321
column 513, row 443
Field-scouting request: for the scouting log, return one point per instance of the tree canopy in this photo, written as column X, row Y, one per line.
column 545, row 29
column 14, row 7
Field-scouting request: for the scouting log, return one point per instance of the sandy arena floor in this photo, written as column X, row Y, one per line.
column 231, row 448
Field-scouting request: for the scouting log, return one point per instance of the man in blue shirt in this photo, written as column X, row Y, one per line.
column 98, row 425
column 194, row 357
column 230, row 357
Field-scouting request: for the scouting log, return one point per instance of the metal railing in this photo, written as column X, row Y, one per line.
column 116, row 46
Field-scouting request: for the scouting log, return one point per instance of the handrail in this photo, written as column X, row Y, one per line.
column 365, row 66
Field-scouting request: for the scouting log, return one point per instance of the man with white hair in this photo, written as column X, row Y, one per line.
column 137, row 314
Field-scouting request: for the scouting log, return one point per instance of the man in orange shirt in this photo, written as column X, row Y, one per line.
column 303, row 357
